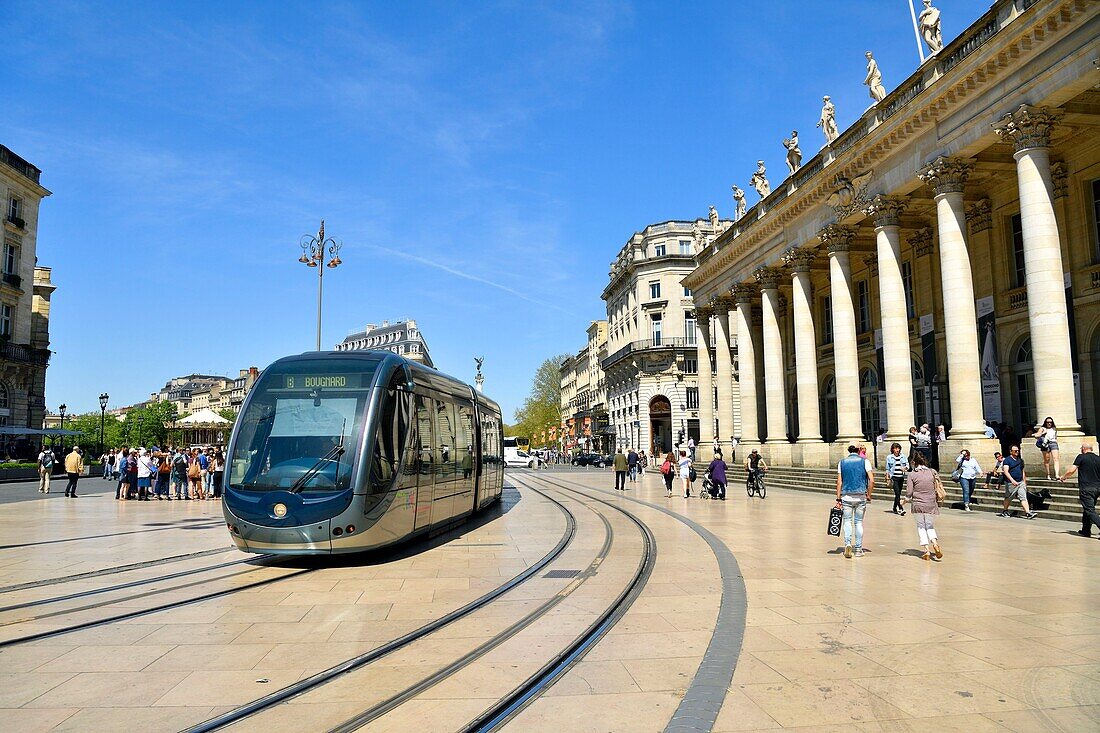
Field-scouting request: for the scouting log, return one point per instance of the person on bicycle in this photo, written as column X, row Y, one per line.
column 755, row 465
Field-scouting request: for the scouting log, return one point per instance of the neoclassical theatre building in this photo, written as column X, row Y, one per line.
column 937, row 262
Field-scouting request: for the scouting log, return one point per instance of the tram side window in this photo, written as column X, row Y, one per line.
column 424, row 430
column 466, row 440
column 389, row 439
column 444, row 415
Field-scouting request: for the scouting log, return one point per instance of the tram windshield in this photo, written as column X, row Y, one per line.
column 302, row 426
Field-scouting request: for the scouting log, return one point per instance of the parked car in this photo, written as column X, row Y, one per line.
column 591, row 459
column 521, row 459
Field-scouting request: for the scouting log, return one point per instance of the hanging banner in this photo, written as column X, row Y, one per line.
column 1068, row 284
column 881, row 366
column 989, row 363
column 931, row 366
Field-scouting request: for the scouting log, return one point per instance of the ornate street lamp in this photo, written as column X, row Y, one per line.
column 320, row 253
column 103, row 398
column 61, row 410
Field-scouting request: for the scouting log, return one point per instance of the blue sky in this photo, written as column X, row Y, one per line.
column 482, row 163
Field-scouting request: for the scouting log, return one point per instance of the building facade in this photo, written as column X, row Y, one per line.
column 400, row 337
column 24, row 297
column 651, row 369
column 938, row 262
column 585, row 421
column 180, row 390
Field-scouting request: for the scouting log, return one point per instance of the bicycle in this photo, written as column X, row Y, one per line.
column 754, row 484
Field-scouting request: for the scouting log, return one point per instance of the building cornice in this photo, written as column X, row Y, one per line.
column 973, row 62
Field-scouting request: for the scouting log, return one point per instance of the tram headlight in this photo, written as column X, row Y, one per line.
column 279, row 510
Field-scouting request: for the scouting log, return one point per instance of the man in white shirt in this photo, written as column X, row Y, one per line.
column 146, row 468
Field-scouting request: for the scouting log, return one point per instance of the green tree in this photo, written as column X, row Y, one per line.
column 148, row 424
column 543, row 405
column 88, row 425
column 229, row 414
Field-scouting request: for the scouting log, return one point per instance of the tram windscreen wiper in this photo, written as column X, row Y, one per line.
column 335, row 452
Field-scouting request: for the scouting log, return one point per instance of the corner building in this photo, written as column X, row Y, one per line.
column 938, row 262
column 652, row 365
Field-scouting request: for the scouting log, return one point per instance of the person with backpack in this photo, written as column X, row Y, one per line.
column 717, row 472
column 164, row 472
column 179, row 475
column 45, row 469
column 668, row 468
column 685, row 472
column 920, row 491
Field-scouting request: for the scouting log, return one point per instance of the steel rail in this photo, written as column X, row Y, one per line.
column 325, row 676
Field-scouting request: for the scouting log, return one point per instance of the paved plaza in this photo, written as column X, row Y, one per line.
column 1002, row 635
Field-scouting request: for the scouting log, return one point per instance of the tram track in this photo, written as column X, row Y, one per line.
column 328, row 675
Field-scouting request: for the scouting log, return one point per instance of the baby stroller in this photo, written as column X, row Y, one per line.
column 708, row 487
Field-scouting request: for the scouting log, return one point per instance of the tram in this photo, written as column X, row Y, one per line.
column 337, row 452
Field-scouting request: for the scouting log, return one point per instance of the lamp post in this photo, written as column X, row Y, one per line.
column 320, row 253
column 61, row 410
column 103, row 398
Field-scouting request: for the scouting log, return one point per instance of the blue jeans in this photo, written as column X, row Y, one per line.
column 854, row 506
column 967, row 485
column 634, row 472
column 180, row 486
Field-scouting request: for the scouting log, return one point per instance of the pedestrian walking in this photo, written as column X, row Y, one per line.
column 111, row 459
column 668, row 470
column 691, row 448
column 74, row 466
column 45, row 469
column 855, row 482
column 643, row 461
column 1087, row 465
column 1046, row 440
column 897, row 466
column 685, row 473
column 218, row 472
column 717, row 472
column 632, row 464
column 1015, row 483
column 968, row 471
column 622, row 465
column 920, row 492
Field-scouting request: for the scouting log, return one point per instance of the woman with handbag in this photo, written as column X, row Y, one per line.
column 925, row 492
column 668, row 470
column 1046, row 440
column 194, row 476
column 966, row 473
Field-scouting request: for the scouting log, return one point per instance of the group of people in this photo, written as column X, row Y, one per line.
column 166, row 474
column 678, row 465
column 74, row 467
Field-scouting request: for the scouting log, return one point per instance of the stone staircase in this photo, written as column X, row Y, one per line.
column 1063, row 503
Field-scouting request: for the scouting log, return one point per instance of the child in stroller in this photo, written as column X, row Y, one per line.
column 708, row 486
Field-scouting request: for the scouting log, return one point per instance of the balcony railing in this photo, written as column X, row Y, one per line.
column 17, row 221
column 12, row 279
column 23, row 353
column 1017, row 299
column 669, row 342
column 28, row 170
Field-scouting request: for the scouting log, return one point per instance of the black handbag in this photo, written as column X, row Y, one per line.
column 836, row 518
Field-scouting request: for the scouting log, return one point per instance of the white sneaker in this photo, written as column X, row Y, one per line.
column 966, row 507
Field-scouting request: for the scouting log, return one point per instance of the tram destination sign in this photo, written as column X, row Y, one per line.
column 322, row 381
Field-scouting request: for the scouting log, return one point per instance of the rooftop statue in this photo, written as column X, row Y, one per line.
column 715, row 224
column 827, row 123
column 739, row 198
column 794, row 153
column 929, row 21
column 759, row 180
column 874, row 80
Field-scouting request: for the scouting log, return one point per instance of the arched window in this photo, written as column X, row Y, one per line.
column 1024, row 374
column 828, row 410
column 920, row 395
column 868, row 401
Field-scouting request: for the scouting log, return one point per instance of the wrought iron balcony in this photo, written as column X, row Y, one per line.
column 12, row 279
column 23, row 353
column 666, row 342
column 17, row 221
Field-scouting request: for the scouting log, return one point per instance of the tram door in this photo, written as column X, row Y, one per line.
column 446, row 463
column 422, row 444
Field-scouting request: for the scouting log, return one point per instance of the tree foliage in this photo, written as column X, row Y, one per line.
column 147, row 425
column 88, row 424
column 543, row 405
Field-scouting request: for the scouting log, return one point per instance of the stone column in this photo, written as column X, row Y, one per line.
column 896, row 360
column 1029, row 129
column 706, row 381
column 838, row 240
column 805, row 345
column 746, row 362
column 775, row 393
column 947, row 176
column 723, row 371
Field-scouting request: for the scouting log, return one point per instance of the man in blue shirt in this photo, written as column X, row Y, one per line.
column 855, row 481
column 632, row 464
column 1015, row 483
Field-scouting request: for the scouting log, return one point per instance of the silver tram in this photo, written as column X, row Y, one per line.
column 337, row 452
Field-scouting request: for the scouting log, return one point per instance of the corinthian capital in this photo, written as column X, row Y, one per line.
column 766, row 277
column 945, row 175
column 743, row 293
column 1028, row 127
column 884, row 210
column 837, row 238
column 921, row 241
column 979, row 216
column 799, row 259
